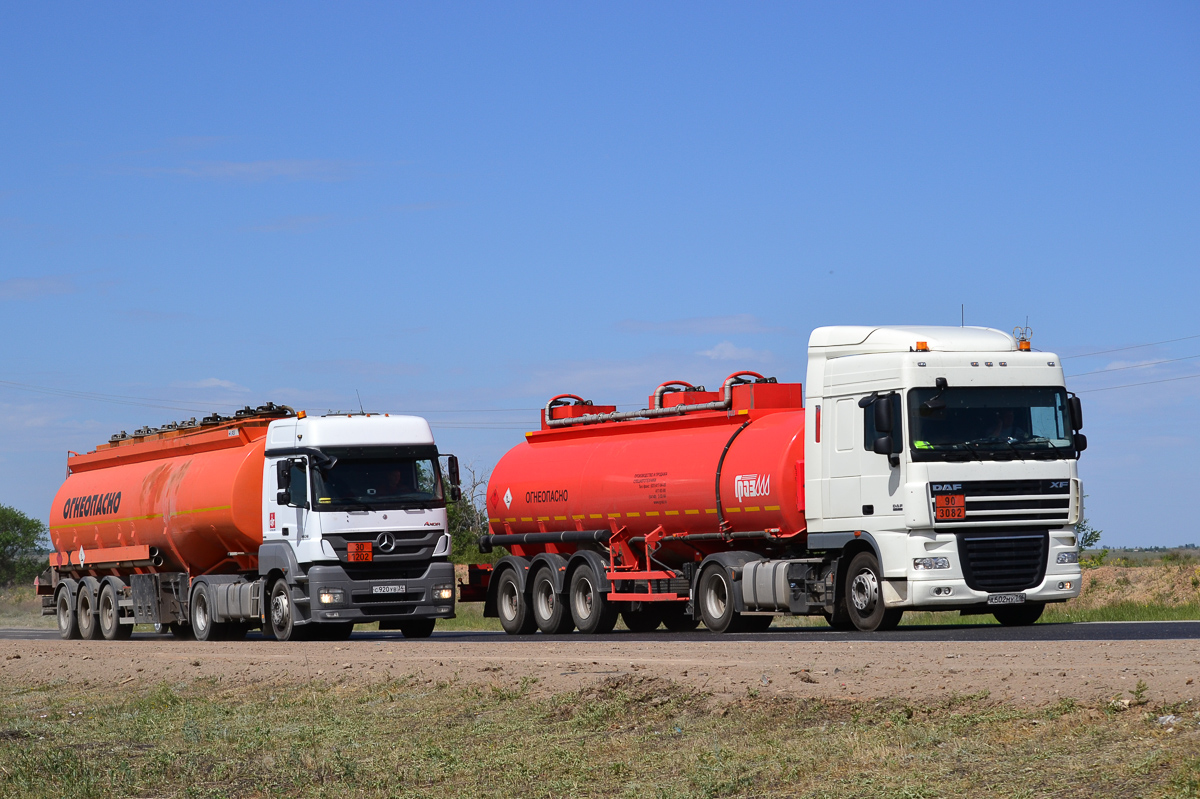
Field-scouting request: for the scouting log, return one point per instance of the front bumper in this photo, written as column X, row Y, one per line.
column 380, row 599
column 953, row 593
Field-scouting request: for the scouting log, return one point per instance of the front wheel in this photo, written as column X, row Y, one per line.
column 418, row 628
column 1019, row 615
column 864, row 595
column 282, row 619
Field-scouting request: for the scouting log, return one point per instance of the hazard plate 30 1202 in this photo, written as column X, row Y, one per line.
column 1006, row 599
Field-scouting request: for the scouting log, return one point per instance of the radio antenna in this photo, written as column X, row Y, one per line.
column 962, row 319
column 360, row 405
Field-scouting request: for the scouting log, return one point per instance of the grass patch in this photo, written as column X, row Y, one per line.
column 625, row 737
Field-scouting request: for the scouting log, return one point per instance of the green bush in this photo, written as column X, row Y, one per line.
column 23, row 544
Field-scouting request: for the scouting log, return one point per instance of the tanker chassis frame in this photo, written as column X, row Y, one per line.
column 102, row 599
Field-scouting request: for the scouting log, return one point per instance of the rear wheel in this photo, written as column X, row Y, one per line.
column 590, row 609
column 68, row 622
column 549, row 611
column 85, row 614
column 864, row 595
column 644, row 620
column 1019, row 615
column 515, row 616
column 417, row 628
column 716, row 600
column 110, row 616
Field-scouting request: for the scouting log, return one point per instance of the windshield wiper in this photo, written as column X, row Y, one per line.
column 1043, row 440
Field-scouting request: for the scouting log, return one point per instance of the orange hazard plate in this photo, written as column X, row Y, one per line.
column 949, row 507
column 359, row 552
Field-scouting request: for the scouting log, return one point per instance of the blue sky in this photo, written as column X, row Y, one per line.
column 471, row 207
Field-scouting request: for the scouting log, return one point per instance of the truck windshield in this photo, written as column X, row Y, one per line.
column 998, row 423
column 378, row 478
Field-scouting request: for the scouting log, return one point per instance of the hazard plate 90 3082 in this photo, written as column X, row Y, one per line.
column 950, row 507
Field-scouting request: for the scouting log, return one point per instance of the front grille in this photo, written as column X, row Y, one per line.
column 1003, row 560
column 1006, row 502
column 387, row 610
column 408, row 545
column 383, row 571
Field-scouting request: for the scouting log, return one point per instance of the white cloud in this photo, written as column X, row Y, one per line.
column 699, row 325
column 211, row 382
column 27, row 288
column 728, row 351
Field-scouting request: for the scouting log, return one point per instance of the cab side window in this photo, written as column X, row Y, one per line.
column 870, row 433
column 298, row 485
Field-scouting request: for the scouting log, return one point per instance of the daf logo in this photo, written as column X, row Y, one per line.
column 386, row 542
column 946, row 486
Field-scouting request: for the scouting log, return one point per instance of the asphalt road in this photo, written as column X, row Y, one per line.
column 965, row 633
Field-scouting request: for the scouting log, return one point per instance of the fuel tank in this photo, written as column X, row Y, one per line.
column 739, row 469
column 194, row 496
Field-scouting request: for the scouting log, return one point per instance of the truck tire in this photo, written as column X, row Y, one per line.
column 512, row 607
column 68, row 622
column 549, row 613
column 203, row 626
column 180, row 630
column 677, row 619
column 418, row 628
column 754, row 624
column 334, row 632
column 591, row 611
column 281, row 621
column 110, row 616
column 1019, row 615
column 864, row 595
column 645, row 620
column 85, row 614
column 716, row 600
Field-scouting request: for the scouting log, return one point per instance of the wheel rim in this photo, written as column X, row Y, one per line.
column 200, row 619
column 716, row 598
column 509, row 601
column 64, row 611
column 544, row 600
column 584, row 599
column 280, row 612
column 85, row 612
column 864, row 592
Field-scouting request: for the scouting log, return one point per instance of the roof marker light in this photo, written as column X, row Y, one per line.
column 922, row 346
column 302, row 414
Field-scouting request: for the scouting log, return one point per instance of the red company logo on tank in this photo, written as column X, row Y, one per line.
column 747, row 486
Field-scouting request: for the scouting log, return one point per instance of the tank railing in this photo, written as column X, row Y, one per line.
column 725, row 404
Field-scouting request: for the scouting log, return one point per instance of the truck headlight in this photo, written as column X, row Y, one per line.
column 443, row 592
column 925, row 564
column 332, row 596
column 1068, row 557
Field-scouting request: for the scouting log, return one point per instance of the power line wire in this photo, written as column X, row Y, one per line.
column 1134, row 347
column 1131, row 385
column 1136, row 366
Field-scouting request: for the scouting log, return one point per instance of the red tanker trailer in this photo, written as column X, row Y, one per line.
column 702, row 506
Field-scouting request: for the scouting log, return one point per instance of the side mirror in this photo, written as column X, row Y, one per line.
column 452, row 466
column 883, row 445
column 283, row 479
column 455, row 493
column 1079, row 440
column 883, row 416
column 1076, row 414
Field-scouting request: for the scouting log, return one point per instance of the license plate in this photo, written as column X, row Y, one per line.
column 387, row 589
column 950, row 507
column 359, row 552
column 1005, row 599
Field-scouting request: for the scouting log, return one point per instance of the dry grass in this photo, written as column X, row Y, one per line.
column 625, row 737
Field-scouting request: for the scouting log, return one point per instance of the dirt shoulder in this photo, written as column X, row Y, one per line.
column 1022, row 673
